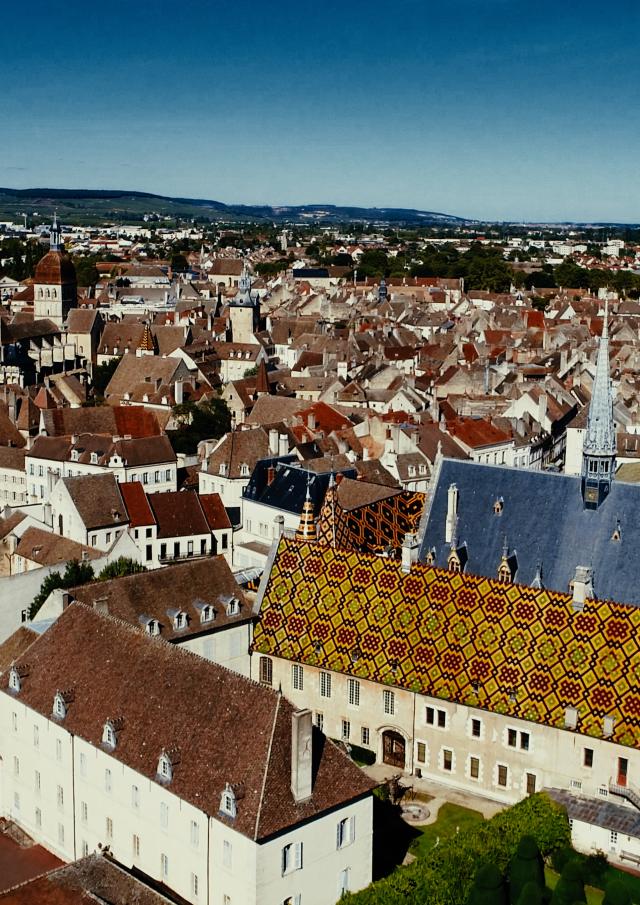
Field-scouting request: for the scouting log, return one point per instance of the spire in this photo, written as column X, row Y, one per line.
column 244, row 285
column 55, row 237
column 600, row 437
column 599, row 447
column 307, row 524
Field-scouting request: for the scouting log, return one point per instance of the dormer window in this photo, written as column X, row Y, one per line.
column 228, row 804
column 412, row 471
column 14, row 680
column 59, row 706
column 153, row 627
column 431, row 556
column 453, row 562
column 180, row 621
column 498, row 506
column 244, row 470
column 223, row 469
column 233, row 607
column 207, row 613
column 165, row 767
column 74, row 455
column 94, row 458
column 109, row 738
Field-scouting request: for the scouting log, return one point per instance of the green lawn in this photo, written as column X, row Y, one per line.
column 451, row 819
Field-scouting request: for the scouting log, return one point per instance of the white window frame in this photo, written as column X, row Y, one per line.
column 389, row 702
column 353, row 692
column 345, row 832
column 438, row 715
column 291, row 858
column 325, row 684
column 297, row 677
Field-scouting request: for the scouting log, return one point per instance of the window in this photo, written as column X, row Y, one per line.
column 37, row 782
column 524, row 741
column 224, row 543
column 109, row 828
column 136, row 846
column 613, row 838
column 194, row 885
column 228, row 801
column 164, row 866
column 16, row 767
column 38, row 817
column 109, row 736
column 325, row 684
column 502, row 775
column 436, row 717
column 297, row 677
column 476, row 728
column 389, row 702
column 447, row 759
column 266, row 671
column 83, row 764
column 512, row 738
column 84, row 811
column 156, row 477
column 346, row 832
column 165, row 767
column 587, row 758
column 135, row 797
column 227, row 853
column 60, row 797
column 194, row 834
column 61, row 834
column 107, row 780
column 353, row 688
column 320, row 721
column 364, row 736
column 167, row 474
column 14, row 676
column 145, row 477
column 16, row 801
column 164, row 815
column 14, row 722
column 343, row 881
column 421, row 753
column 59, row 707
column 292, row 857
column 474, row 767
column 346, row 730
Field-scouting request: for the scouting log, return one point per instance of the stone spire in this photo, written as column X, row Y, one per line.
column 55, row 236
column 599, row 447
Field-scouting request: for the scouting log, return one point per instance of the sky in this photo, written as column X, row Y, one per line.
column 489, row 109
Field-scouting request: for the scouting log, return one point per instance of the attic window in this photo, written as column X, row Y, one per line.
column 109, row 735
column 165, row 767
column 453, row 562
column 207, row 613
column 153, row 627
column 244, row 470
column 223, row 469
column 504, row 572
column 59, row 706
column 180, row 621
column 498, row 506
column 74, row 455
column 14, row 679
column 228, row 804
column 617, row 532
column 94, row 458
column 431, row 556
column 233, row 607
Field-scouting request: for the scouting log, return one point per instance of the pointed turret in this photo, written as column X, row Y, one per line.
column 307, row 524
column 599, row 448
column 55, row 235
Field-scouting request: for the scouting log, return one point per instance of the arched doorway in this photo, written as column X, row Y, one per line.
column 393, row 749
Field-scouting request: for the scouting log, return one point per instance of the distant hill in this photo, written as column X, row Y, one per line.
column 85, row 205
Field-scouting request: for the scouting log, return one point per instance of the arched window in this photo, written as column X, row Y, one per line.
column 228, row 804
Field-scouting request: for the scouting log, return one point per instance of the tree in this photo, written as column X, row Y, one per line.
column 531, row 895
column 179, row 263
column 75, row 573
column 86, row 271
column 120, row 567
column 206, row 420
column 570, row 886
column 616, row 893
column 488, row 887
column 525, row 867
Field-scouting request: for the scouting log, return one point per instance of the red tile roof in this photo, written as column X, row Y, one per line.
column 135, row 499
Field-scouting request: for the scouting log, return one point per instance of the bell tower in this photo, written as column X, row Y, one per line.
column 599, row 448
column 55, row 289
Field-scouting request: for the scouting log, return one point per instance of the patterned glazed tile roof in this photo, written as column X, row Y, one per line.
column 510, row 649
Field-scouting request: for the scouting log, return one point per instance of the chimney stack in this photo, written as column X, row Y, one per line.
column 178, row 392
column 582, row 587
column 283, row 445
column 273, row 441
column 301, row 755
column 452, row 513
column 409, row 552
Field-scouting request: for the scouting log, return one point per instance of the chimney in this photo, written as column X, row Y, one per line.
column 301, row 755
column 283, row 445
column 178, row 392
column 273, row 441
column 582, row 587
column 66, row 599
column 279, row 523
column 452, row 513
column 542, row 409
column 409, row 552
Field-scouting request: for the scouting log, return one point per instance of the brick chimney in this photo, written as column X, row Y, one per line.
column 301, row 755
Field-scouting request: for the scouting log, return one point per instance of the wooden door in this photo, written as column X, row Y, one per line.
column 393, row 749
column 531, row 783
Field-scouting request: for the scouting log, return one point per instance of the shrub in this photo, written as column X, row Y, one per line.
column 526, row 867
column 570, row 887
column 531, row 894
column 616, row 893
column 489, row 887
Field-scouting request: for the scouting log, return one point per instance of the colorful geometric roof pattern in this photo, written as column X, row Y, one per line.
column 372, row 527
column 510, row 649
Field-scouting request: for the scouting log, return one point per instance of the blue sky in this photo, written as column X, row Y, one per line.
column 483, row 108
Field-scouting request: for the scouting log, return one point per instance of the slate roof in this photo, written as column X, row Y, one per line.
column 505, row 648
column 597, row 812
column 288, row 488
column 544, row 521
column 226, row 728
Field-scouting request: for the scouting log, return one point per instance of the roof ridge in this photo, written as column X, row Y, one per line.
column 267, row 762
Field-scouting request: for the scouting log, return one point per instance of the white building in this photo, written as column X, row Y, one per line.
column 110, row 738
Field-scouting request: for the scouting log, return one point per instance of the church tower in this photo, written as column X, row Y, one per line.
column 55, row 289
column 599, row 447
column 244, row 311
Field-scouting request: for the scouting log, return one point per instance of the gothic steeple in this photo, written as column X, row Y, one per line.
column 599, row 448
column 55, row 235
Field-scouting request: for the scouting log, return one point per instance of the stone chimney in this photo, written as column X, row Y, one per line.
column 283, row 444
column 452, row 513
column 409, row 552
column 273, row 442
column 301, row 755
column 582, row 586
column 178, row 392
column 279, row 523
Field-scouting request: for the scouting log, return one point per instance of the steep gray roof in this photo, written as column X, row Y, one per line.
column 600, row 438
column 544, row 521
